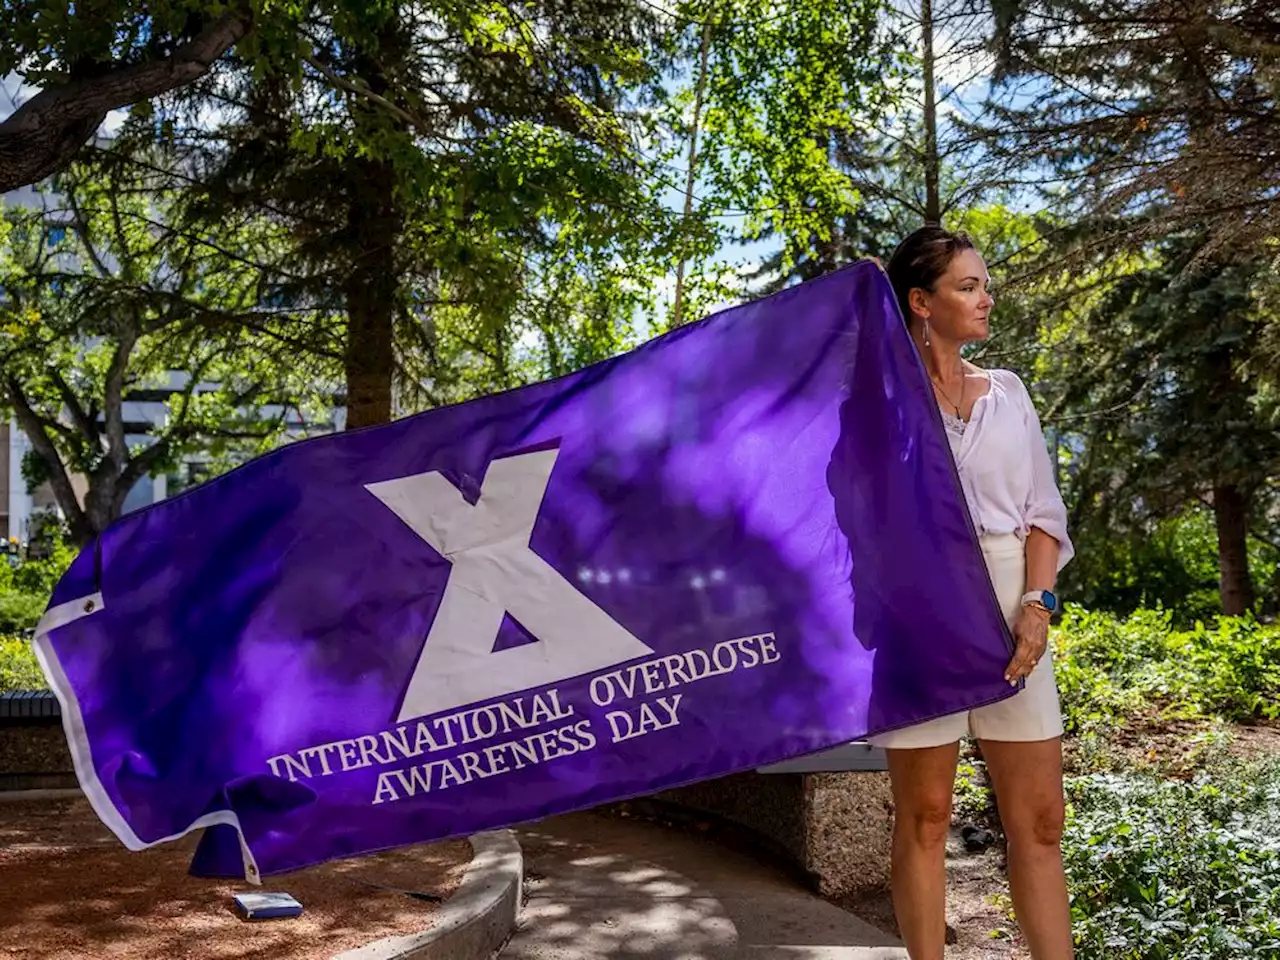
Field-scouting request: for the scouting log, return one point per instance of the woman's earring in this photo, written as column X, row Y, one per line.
column 926, row 332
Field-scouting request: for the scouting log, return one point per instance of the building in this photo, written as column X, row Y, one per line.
column 17, row 504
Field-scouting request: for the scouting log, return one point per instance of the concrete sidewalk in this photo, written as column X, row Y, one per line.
column 602, row 888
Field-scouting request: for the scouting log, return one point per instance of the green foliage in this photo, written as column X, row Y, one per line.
column 1142, row 125
column 26, row 581
column 496, row 177
column 784, row 81
column 1112, row 669
column 787, row 89
column 488, row 212
column 972, row 800
column 19, row 609
column 104, row 297
column 39, row 575
column 19, row 669
column 1172, row 565
column 1162, row 870
column 53, row 41
column 1159, row 398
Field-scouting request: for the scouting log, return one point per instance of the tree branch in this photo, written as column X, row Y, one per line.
column 113, row 399
column 40, row 136
column 138, row 467
column 33, row 426
column 85, row 423
column 82, row 228
column 133, row 469
column 361, row 90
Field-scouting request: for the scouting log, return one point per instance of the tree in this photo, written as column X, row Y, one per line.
column 939, row 167
column 103, row 298
column 908, row 155
column 764, row 94
column 90, row 61
column 1162, row 387
column 1148, row 115
column 463, row 151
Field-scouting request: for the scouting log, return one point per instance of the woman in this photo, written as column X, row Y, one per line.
column 942, row 287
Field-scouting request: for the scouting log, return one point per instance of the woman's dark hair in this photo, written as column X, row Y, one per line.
column 921, row 259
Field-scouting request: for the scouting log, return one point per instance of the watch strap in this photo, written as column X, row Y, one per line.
column 1035, row 597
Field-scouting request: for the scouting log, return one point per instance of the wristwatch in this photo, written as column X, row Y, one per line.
column 1045, row 598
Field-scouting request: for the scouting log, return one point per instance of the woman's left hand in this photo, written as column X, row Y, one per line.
column 1031, row 634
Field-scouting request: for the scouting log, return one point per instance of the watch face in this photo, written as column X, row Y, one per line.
column 1050, row 601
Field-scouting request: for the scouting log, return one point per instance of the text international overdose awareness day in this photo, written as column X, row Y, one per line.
column 629, row 698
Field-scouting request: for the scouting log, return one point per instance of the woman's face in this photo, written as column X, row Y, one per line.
column 960, row 304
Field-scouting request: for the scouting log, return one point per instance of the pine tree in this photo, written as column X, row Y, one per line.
column 1163, row 387
column 1143, row 116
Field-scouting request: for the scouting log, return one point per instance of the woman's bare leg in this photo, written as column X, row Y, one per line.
column 923, row 783
column 1028, row 782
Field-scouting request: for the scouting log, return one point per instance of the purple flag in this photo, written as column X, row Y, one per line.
column 738, row 543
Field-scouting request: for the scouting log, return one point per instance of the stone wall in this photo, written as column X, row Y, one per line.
column 837, row 827
column 34, row 756
column 849, row 831
column 770, row 807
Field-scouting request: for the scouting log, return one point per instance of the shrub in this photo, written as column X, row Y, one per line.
column 19, row 611
column 25, row 585
column 1171, row 563
column 1163, row 870
column 973, row 801
column 1111, row 669
column 39, row 576
column 19, row 669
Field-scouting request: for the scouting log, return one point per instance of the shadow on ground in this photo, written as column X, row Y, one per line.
column 603, row 887
column 68, row 889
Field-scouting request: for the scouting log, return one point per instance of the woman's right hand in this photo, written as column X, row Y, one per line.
column 1031, row 633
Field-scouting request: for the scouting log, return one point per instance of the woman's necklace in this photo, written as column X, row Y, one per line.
column 964, row 382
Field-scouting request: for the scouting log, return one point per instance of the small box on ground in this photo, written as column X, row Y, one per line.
column 267, row 906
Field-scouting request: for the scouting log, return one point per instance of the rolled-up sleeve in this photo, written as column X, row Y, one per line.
column 1044, row 507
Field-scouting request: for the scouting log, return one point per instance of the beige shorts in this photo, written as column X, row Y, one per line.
column 1031, row 714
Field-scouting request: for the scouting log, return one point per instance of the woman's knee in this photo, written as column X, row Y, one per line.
column 925, row 821
column 1038, row 825
column 1028, row 782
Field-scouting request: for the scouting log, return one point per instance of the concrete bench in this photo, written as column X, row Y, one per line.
column 856, row 757
column 829, row 813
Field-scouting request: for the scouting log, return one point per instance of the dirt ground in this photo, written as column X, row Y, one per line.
column 1176, row 749
column 69, row 890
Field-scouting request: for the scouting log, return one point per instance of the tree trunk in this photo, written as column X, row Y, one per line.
column 375, row 223
column 933, row 198
column 371, row 295
column 677, row 310
column 100, row 501
column 1231, row 511
column 59, row 480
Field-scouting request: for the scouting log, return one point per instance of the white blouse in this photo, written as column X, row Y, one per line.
column 1004, row 466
